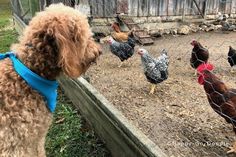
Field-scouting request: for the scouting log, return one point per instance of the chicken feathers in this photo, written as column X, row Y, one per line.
column 232, row 56
column 199, row 54
column 155, row 69
column 123, row 50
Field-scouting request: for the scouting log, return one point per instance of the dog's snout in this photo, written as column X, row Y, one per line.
column 100, row 52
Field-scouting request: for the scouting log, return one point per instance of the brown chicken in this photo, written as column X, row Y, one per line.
column 199, row 55
column 232, row 59
column 221, row 98
column 118, row 35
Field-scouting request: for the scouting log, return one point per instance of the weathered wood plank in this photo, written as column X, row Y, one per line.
column 171, row 7
column 110, row 8
column 162, row 7
column 94, row 8
column 100, row 8
column 122, row 6
column 179, row 7
column 233, row 11
column 133, row 7
column 122, row 138
column 19, row 24
column 152, row 7
column 222, row 6
column 143, row 7
column 228, row 6
column 97, row 7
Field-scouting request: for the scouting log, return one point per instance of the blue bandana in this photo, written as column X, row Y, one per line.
column 45, row 87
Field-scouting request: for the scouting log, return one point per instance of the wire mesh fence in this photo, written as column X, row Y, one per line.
column 24, row 9
column 179, row 115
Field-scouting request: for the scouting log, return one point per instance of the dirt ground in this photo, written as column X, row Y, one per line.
column 177, row 117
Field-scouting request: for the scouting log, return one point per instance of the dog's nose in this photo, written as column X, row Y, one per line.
column 100, row 52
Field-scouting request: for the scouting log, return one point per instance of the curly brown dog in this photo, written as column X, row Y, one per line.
column 57, row 40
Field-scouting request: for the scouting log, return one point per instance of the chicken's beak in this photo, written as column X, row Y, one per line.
column 112, row 27
column 192, row 43
column 139, row 52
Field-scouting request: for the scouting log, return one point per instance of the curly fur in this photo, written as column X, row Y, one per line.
column 57, row 40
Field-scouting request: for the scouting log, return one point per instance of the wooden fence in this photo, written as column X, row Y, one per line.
column 147, row 8
column 108, row 8
column 135, row 8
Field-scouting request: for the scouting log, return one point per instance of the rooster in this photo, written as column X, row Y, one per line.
column 232, row 57
column 123, row 50
column 199, row 55
column 221, row 98
column 118, row 35
column 155, row 69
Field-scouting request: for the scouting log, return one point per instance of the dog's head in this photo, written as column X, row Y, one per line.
column 65, row 33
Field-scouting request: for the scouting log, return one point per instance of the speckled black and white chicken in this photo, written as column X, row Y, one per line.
column 155, row 69
column 123, row 50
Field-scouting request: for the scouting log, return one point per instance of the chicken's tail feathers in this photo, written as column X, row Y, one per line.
column 231, row 48
column 131, row 41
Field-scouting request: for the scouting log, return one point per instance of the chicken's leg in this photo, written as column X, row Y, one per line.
column 195, row 73
column 232, row 149
column 120, row 65
column 152, row 89
column 233, row 69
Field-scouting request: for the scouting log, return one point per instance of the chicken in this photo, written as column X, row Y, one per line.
column 123, row 50
column 199, row 55
column 118, row 35
column 221, row 98
column 232, row 57
column 155, row 69
column 226, row 26
column 220, row 17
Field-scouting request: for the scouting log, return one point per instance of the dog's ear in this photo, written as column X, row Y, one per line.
column 68, row 41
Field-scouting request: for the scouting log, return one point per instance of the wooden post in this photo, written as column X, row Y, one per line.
column 205, row 7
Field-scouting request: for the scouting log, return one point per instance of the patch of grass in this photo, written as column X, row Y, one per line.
column 69, row 136
column 5, row 9
column 4, row 22
column 5, row 13
column 7, row 37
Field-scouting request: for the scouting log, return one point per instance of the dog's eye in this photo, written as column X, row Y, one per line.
column 74, row 39
column 93, row 61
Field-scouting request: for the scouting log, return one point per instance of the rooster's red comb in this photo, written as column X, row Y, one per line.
column 205, row 66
